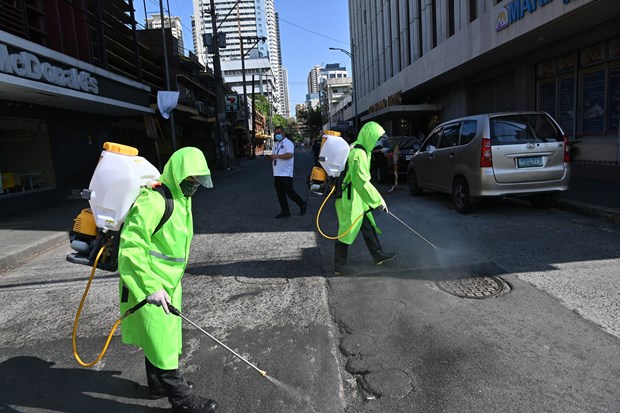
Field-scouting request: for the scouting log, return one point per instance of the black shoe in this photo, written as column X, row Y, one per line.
column 194, row 404
column 283, row 215
column 303, row 208
column 383, row 257
column 345, row 271
column 158, row 392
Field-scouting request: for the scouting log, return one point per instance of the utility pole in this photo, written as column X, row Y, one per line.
column 245, row 95
column 245, row 98
column 221, row 132
column 167, row 71
column 253, row 144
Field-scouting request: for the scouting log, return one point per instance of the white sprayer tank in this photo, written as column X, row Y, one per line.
column 116, row 183
column 333, row 155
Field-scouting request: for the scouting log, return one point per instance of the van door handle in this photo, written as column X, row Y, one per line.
column 451, row 154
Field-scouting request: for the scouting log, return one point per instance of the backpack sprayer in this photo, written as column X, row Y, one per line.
column 95, row 236
column 333, row 159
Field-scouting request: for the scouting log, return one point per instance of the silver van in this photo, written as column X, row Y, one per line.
column 493, row 155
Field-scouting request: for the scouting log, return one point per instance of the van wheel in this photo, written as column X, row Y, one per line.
column 460, row 196
column 412, row 182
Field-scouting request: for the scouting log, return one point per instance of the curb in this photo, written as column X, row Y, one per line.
column 15, row 259
column 589, row 210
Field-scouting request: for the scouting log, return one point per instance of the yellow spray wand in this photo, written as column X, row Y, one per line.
column 176, row 312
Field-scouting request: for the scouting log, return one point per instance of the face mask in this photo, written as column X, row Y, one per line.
column 189, row 187
column 278, row 137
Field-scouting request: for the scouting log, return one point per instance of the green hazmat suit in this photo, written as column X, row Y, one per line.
column 150, row 262
column 360, row 195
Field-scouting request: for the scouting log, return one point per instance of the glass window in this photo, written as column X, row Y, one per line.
column 516, row 129
column 468, row 131
column 432, row 141
column 25, row 156
column 450, row 136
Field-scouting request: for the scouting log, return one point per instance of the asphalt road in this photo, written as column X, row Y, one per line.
column 549, row 344
column 387, row 340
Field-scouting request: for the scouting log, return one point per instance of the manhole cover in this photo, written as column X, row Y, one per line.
column 475, row 287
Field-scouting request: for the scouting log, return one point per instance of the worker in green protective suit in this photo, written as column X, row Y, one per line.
column 151, row 264
column 359, row 197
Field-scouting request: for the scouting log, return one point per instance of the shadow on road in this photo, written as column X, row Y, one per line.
column 32, row 382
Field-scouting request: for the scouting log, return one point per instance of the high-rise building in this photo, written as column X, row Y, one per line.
column 313, row 79
column 285, row 98
column 242, row 20
column 173, row 22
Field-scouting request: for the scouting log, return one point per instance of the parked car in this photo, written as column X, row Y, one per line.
column 382, row 156
column 493, row 155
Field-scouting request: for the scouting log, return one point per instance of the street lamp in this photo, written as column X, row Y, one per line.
column 353, row 89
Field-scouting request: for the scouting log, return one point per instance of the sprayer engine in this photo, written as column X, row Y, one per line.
column 87, row 240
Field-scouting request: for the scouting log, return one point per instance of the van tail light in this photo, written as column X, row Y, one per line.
column 566, row 150
column 486, row 161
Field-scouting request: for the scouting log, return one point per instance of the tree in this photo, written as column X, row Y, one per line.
column 262, row 105
column 312, row 119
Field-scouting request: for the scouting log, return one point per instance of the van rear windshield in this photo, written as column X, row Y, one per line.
column 516, row 129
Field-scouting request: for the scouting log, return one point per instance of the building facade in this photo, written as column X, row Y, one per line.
column 419, row 62
column 245, row 21
column 69, row 83
column 173, row 23
column 286, row 106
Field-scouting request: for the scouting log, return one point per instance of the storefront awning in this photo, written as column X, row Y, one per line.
column 33, row 74
column 401, row 110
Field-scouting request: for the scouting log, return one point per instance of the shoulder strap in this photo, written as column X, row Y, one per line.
column 164, row 191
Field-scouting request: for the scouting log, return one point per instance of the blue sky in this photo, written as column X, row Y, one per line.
column 307, row 30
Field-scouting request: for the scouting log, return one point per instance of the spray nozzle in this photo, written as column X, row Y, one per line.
column 174, row 310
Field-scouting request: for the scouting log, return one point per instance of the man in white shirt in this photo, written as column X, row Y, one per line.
column 283, row 160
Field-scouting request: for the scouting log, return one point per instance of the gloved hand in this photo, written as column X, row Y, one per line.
column 160, row 299
column 384, row 207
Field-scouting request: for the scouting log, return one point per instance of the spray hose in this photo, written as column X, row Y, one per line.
column 116, row 324
column 318, row 226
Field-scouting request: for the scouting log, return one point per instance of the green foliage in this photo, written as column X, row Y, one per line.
column 261, row 104
column 279, row 120
column 312, row 119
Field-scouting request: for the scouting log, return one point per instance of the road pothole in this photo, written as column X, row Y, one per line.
column 475, row 287
column 392, row 383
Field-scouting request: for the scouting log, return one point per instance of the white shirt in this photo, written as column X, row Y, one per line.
column 284, row 167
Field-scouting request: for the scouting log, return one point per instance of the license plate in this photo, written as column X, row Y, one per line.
column 530, row 162
column 408, row 157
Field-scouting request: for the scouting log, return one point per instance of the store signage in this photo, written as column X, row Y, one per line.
column 28, row 65
column 232, row 103
column 391, row 100
column 516, row 9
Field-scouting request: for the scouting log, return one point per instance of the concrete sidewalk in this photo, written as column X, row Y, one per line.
column 27, row 234
column 24, row 235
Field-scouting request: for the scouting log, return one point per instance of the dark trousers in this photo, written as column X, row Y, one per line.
column 284, row 188
column 370, row 238
column 171, row 380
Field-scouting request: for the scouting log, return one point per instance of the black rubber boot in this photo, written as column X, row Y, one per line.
column 341, row 252
column 194, row 404
column 373, row 244
column 157, row 391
